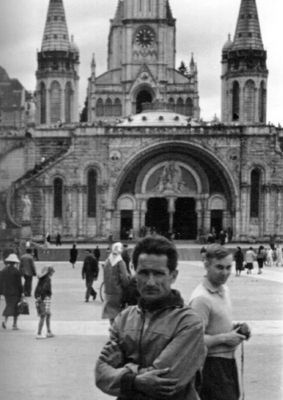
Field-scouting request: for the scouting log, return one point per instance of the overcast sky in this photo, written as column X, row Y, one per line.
column 202, row 28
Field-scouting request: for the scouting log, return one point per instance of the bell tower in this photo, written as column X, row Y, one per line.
column 244, row 71
column 141, row 65
column 57, row 72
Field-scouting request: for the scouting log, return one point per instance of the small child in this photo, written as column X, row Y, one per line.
column 42, row 294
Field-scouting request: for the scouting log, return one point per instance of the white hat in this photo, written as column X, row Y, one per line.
column 12, row 258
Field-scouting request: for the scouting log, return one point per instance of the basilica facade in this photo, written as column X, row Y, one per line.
column 144, row 160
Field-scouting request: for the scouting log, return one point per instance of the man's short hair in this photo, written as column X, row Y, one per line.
column 157, row 245
column 217, row 251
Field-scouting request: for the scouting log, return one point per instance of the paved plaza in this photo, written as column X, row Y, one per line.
column 62, row 367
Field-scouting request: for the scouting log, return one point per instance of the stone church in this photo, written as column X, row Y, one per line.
column 145, row 160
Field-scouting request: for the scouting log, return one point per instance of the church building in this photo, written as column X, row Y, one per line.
column 145, row 160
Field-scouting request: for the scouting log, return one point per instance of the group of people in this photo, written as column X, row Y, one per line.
column 16, row 284
column 262, row 257
column 160, row 347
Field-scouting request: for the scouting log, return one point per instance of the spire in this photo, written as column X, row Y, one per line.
column 248, row 34
column 93, row 66
column 55, row 35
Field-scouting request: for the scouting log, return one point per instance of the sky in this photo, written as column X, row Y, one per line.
column 202, row 28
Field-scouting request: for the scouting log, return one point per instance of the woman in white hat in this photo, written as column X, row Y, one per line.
column 43, row 294
column 12, row 289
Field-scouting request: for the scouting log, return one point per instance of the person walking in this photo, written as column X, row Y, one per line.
column 90, row 272
column 260, row 258
column 155, row 348
column 96, row 253
column 126, row 257
column 116, row 280
column 73, row 255
column 12, row 289
column 58, row 241
column 211, row 301
column 43, row 294
column 28, row 271
column 239, row 261
column 250, row 258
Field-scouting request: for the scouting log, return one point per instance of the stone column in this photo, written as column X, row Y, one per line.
column 171, row 211
column 245, row 209
column 266, row 217
column 80, row 210
column 136, row 227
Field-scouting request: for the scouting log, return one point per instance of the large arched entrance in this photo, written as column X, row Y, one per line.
column 144, row 96
column 178, row 189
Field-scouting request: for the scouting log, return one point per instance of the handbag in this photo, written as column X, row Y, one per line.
column 23, row 308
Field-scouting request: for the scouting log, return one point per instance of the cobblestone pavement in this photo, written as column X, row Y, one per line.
column 62, row 367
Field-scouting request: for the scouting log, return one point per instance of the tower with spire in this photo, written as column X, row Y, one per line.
column 141, row 66
column 244, row 71
column 57, row 72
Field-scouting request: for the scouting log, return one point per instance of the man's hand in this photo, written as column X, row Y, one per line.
column 153, row 384
column 233, row 338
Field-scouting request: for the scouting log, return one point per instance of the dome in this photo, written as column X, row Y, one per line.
column 156, row 118
column 228, row 44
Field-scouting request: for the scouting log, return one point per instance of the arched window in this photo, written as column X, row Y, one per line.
column 91, row 193
column 249, row 101
column 42, row 103
column 108, row 107
column 117, row 108
column 171, row 104
column 236, row 101
column 180, row 106
column 189, row 107
column 58, row 197
column 255, row 193
column 55, row 102
column 99, row 108
column 262, row 103
column 68, row 102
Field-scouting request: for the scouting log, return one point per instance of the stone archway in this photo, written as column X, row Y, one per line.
column 143, row 96
column 198, row 176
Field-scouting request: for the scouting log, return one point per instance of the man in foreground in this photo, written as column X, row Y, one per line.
column 156, row 348
column 211, row 300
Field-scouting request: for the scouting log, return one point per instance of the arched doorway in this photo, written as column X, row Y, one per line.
column 157, row 216
column 185, row 219
column 144, row 96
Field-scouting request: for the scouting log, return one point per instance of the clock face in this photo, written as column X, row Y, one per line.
column 145, row 36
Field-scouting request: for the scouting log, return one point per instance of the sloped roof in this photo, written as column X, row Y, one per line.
column 248, row 33
column 56, row 36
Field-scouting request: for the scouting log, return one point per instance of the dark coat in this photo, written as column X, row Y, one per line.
column 27, row 266
column 90, row 268
column 73, row 255
column 43, row 288
column 11, row 282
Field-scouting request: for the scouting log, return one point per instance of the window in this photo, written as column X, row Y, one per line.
column 55, row 102
column 58, row 198
column 117, row 108
column 262, row 102
column 91, row 193
column 249, row 101
column 255, row 193
column 180, row 106
column 189, row 107
column 99, row 108
column 236, row 101
column 108, row 107
column 42, row 103
column 68, row 102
